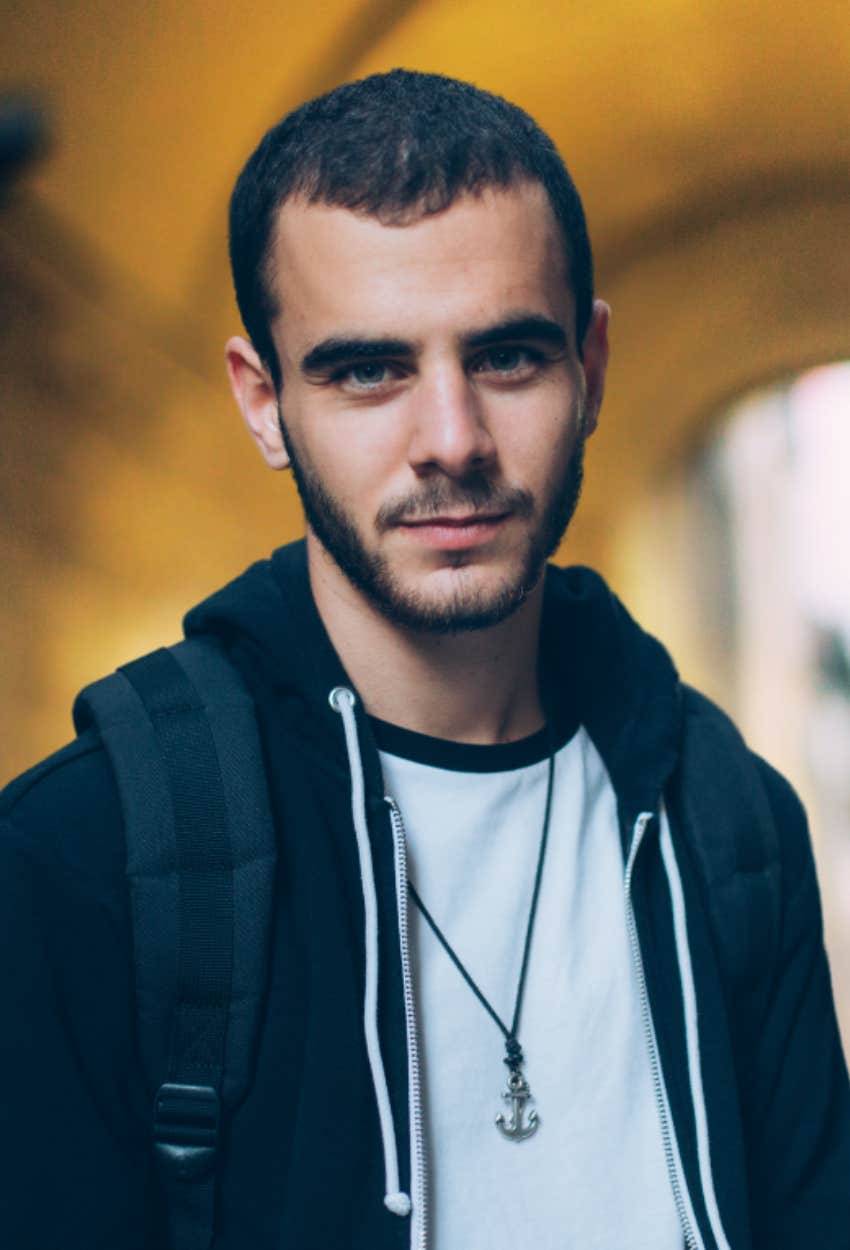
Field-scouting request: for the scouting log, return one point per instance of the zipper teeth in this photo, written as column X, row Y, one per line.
column 418, row 1170
column 690, row 1240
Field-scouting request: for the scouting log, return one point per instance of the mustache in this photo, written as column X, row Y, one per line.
column 476, row 493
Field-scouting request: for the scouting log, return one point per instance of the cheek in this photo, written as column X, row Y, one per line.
column 359, row 456
column 536, row 439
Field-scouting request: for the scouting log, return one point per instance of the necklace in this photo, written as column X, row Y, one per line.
column 514, row 1126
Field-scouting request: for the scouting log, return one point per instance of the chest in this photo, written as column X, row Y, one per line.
column 595, row 1165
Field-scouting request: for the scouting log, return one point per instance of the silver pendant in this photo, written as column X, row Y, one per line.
column 515, row 1127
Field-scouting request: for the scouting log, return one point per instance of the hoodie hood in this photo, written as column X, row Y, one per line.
column 624, row 686
column 269, row 610
column 620, row 682
column 267, row 622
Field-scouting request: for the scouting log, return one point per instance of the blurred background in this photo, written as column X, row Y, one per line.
column 711, row 142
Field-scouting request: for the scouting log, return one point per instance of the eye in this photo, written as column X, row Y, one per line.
column 370, row 373
column 366, row 376
column 508, row 360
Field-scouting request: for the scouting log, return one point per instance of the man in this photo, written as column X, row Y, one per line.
column 545, row 965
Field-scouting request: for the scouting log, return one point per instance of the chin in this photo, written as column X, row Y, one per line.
column 473, row 599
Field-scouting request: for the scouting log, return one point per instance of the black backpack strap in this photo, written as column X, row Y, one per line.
column 181, row 734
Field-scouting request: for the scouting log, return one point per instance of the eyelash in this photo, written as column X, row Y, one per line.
column 532, row 355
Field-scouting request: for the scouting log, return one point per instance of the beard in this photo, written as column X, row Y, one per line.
column 467, row 607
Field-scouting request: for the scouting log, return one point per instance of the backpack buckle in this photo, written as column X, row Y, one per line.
column 185, row 1129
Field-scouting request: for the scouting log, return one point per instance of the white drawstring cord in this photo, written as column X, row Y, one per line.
column 342, row 700
column 683, row 954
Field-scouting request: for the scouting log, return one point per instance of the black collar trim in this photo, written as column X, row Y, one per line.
column 467, row 757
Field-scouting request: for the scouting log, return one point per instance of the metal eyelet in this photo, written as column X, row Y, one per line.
column 341, row 694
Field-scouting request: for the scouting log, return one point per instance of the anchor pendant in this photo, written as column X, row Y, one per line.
column 517, row 1094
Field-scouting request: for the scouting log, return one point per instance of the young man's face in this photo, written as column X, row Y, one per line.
column 434, row 404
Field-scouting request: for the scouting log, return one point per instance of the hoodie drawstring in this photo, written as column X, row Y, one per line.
column 686, row 974
column 342, row 700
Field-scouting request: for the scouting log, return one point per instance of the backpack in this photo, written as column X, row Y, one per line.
column 180, row 731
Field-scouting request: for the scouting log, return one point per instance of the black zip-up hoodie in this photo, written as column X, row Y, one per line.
column 722, row 903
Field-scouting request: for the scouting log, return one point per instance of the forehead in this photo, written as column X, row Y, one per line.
column 335, row 271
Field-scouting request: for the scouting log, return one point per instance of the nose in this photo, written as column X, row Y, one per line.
column 450, row 432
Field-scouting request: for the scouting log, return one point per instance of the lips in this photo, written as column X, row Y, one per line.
column 448, row 533
column 458, row 522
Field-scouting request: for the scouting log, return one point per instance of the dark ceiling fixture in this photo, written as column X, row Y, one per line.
column 24, row 135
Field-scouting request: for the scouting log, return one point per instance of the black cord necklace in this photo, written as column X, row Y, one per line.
column 515, row 1126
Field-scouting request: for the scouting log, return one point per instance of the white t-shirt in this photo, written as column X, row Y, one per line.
column 593, row 1176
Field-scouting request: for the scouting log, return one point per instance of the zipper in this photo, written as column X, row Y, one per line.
column 418, row 1177
column 692, row 1239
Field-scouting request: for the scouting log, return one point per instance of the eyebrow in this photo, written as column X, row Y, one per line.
column 337, row 351
column 342, row 350
column 519, row 329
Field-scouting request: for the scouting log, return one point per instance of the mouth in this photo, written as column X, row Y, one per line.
column 453, row 533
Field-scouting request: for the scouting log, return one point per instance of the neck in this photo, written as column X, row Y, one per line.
column 478, row 686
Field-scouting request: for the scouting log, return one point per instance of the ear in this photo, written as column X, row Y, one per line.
column 255, row 394
column 595, row 363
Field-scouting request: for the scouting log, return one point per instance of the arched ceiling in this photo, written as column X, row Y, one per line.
column 657, row 107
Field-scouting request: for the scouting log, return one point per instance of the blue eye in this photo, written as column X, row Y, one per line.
column 370, row 373
column 507, row 359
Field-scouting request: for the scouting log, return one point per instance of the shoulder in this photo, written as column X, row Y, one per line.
column 65, row 815
column 715, row 755
column 746, row 831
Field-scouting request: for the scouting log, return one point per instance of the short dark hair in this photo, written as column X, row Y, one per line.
column 395, row 146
